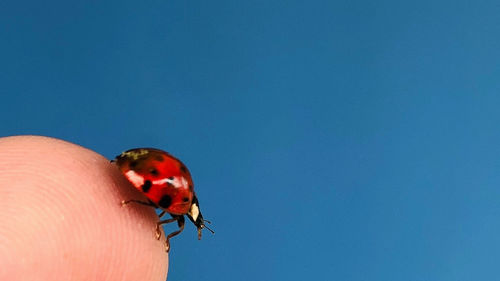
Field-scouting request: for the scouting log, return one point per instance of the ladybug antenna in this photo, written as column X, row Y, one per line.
column 209, row 222
column 213, row 232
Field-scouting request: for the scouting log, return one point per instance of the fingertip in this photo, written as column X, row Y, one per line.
column 62, row 212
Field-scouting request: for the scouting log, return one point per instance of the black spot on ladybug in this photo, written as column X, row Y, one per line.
column 183, row 169
column 146, row 186
column 153, row 172
column 165, row 201
column 159, row 158
column 185, row 199
column 171, row 178
column 190, row 187
column 133, row 164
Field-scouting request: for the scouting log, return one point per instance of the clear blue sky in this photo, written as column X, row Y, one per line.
column 329, row 140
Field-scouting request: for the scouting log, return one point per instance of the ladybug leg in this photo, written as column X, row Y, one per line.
column 157, row 229
column 180, row 222
column 161, row 214
column 158, row 232
column 149, row 203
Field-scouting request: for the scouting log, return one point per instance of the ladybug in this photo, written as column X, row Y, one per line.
column 167, row 184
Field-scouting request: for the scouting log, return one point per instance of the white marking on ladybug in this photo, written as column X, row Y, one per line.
column 175, row 182
column 194, row 211
column 134, row 178
column 184, row 182
column 161, row 181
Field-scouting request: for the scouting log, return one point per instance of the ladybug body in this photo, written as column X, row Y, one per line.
column 166, row 182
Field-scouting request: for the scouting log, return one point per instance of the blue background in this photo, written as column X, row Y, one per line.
column 329, row 140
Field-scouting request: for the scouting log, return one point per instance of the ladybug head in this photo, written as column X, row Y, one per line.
column 195, row 216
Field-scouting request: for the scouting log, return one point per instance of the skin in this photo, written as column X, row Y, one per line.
column 61, row 216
